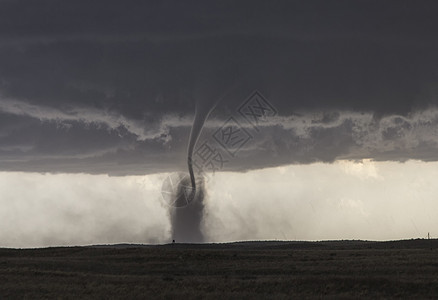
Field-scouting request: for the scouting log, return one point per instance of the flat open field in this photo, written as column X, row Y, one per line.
column 338, row 269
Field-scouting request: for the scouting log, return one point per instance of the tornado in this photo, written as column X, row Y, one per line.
column 186, row 221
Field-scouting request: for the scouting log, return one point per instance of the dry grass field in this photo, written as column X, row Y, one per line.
column 247, row 270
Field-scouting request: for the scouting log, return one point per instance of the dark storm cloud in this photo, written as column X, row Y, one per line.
column 86, row 87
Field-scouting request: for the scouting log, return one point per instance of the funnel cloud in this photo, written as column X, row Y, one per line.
column 186, row 222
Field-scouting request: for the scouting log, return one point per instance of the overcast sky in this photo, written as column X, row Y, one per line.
column 111, row 88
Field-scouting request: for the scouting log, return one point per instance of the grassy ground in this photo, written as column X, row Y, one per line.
column 241, row 271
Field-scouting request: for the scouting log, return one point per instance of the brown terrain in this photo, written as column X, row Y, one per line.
column 244, row 270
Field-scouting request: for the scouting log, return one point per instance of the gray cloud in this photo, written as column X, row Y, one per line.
column 78, row 145
column 112, row 89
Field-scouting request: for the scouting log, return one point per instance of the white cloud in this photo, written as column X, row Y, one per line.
column 363, row 169
column 72, row 209
column 343, row 200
